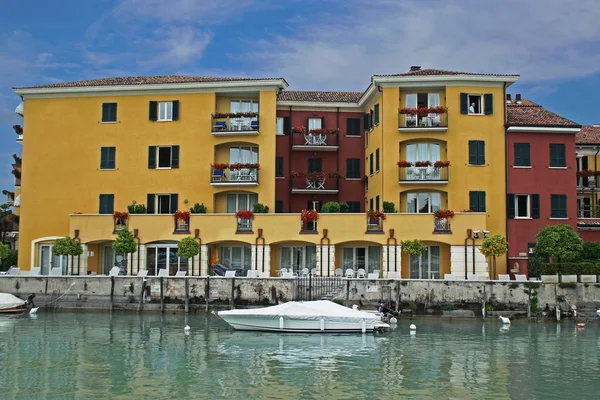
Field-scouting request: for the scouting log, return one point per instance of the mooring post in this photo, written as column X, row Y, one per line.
column 141, row 303
column 397, row 296
column 483, row 303
column 207, row 292
column 112, row 292
column 162, row 299
column 232, row 301
column 187, row 295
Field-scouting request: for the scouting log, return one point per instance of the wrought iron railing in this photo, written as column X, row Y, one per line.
column 423, row 174
column 441, row 225
column 244, row 175
column 428, row 121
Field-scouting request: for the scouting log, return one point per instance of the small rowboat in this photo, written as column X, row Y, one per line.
column 10, row 304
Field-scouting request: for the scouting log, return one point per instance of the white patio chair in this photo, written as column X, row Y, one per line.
column 163, row 272
column 181, row 273
column 376, row 271
column 449, row 277
column 229, row 274
column 373, row 275
column 288, row 275
column 34, row 271
column 266, row 274
column 472, row 277
column 304, row 272
column 503, row 277
column 114, row 271
column 13, row 271
column 143, row 273
column 521, row 278
column 57, row 271
column 349, row 273
column 313, row 272
column 393, row 275
column 252, row 273
column 283, row 271
column 361, row 273
column 338, row 272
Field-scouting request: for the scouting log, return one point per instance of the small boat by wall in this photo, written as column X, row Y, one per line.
column 306, row 316
column 10, row 304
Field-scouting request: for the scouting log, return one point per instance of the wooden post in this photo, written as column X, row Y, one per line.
column 112, row 292
column 162, row 299
column 187, row 296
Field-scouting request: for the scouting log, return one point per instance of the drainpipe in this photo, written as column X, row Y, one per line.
column 325, row 233
column 197, row 237
column 136, row 236
column 381, row 169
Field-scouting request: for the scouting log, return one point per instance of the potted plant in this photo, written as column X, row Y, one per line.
column 309, row 215
column 494, row 246
column 413, row 247
column 404, row 164
column 423, row 163
column 437, row 110
column 441, row 164
column 315, row 176
column 246, row 214
column 299, row 129
column 188, row 248
column 334, row 175
column 260, row 208
column 443, row 214
column 198, row 209
column 120, row 219
column 407, row 111
column 219, row 166
column 182, row 215
column 375, row 216
column 135, row 208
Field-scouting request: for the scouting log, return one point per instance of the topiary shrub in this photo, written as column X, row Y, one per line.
column 331, row 207
column 259, row 208
column 198, row 209
column 389, row 207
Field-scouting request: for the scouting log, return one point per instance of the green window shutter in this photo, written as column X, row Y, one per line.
column 535, row 206
column 488, row 103
column 553, row 206
column 480, row 152
column 279, row 167
column 353, row 126
column 315, row 165
column 104, row 158
column 371, row 124
column 366, row 123
column 107, row 202
column 278, row 206
column 510, row 205
column 105, row 112
column 175, row 110
column 377, row 160
column 151, row 157
column 153, row 111
column 174, row 156
column 476, row 152
column 112, row 157
column 557, row 155
column 473, row 201
column 522, row 158
column 174, row 205
column 464, row 103
column 287, row 125
column 371, row 164
column 482, row 205
column 150, row 203
column 376, row 114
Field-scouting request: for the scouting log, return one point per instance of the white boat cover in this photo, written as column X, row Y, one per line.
column 7, row 300
column 309, row 310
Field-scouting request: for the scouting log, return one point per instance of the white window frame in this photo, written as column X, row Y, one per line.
column 517, row 206
column 167, row 247
column 244, row 248
column 429, row 274
column 431, row 209
column 428, row 144
column 313, row 125
column 165, row 111
column 279, row 129
column 247, row 206
column 157, row 203
column 63, row 260
column 158, row 157
column 415, row 104
column 480, row 103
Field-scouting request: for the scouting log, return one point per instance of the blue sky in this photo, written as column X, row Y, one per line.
column 319, row 45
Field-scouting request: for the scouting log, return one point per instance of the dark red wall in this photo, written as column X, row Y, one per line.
column 542, row 180
column 333, row 161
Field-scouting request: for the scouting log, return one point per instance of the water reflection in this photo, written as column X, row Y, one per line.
column 129, row 355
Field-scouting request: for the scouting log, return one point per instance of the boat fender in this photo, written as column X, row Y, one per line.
column 413, row 327
column 364, row 326
column 280, row 322
column 393, row 320
column 354, row 307
column 322, row 324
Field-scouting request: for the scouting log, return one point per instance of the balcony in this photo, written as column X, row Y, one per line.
column 316, row 140
column 244, row 225
column 315, row 183
column 374, row 225
column 235, row 124
column 423, row 175
column 422, row 120
column 234, row 174
column 441, row 225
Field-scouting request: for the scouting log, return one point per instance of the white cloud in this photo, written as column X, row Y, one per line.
column 543, row 40
column 204, row 12
column 176, row 46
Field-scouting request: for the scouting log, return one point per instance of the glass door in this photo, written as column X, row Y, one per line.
column 360, row 261
column 108, row 259
column 45, row 257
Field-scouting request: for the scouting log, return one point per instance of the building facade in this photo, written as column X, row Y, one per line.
column 426, row 140
column 588, row 200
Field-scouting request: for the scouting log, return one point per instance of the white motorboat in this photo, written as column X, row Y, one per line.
column 303, row 316
column 10, row 304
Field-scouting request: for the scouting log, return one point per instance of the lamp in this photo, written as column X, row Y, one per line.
column 486, row 234
column 476, row 234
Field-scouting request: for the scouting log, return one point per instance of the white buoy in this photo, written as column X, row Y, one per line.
column 280, row 322
column 364, row 326
column 598, row 312
column 412, row 327
column 354, row 307
column 33, row 310
column 187, row 328
column 393, row 320
column 322, row 324
column 504, row 320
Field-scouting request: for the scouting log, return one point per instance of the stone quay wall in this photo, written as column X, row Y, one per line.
column 191, row 294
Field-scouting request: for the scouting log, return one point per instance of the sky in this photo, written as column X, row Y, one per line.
column 314, row 44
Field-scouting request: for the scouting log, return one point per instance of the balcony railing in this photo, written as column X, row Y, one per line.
column 306, row 184
column 243, row 176
column 182, row 226
column 232, row 125
column 441, row 225
column 374, row 225
column 308, row 227
column 315, row 142
column 244, row 225
column 423, row 174
column 429, row 121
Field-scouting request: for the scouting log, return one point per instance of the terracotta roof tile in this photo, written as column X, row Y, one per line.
column 529, row 113
column 144, row 80
column 324, row 97
column 589, row 134
column 441, row 72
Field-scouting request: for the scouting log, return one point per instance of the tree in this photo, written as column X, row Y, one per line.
column 3, row 251
column 7, row 219
column 413, row 247
column 66, row 247
column 124, row 244
column 494, row 246
column 9, row 260
column 188, row 248
column 591, row 252
column 560, row 242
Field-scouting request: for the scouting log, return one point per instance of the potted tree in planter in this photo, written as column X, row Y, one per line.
column 67, row 246
column 124, row 244
column 182, row 221
column 494, row 246
column 188, row 248
column 198, row 209
column 120, row 219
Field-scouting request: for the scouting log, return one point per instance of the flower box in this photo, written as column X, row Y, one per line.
column 422, row 163
column 182, row 215
column 375, row 215
column 443, row 214
column 299, row 129
column 246, row 214
column 568, row 278
column 309, row 215
column 404, row 164
column 315, row 176
column 585, row 173
column 441, row 164
column 219, row 166
column 587, row 278
column 324, row 131
column 238, row 166
column 236, row 115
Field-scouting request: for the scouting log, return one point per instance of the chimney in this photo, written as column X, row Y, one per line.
column 518, row 97
column 415, row 68
column 508, row 100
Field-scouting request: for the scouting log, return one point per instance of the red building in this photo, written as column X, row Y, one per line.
column 541, row 176
column 315, row 163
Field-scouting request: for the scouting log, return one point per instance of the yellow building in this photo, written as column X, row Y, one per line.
column 93, row 148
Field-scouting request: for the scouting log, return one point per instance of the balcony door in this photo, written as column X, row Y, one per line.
column 241, row 202
column 165, row 257
column 110, row 259
column 243, row 106
column 423, row 203
column 422, row 152
column 367, row 258
column 241, row 154
column 427, row 265
column 47, row 260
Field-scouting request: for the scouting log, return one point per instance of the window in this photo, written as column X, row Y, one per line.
column 315, row 165
column 377, row 202
column 367, row 122
column 241, row 202
column 107, row 157
column 107, row 204
column 353, row 206
column 376, row 114
column 377, row 160
column 371, row 204
column 522, row 155
column 477, row 201
column 296, row 258
column 423, row 152
column 353, row 126
column 367, row 258
column 165, row 111
column 418, row 100
column 278, row 206
column 558, row 206
column 315, row 123
column 423, row 203
column 109, row 112
column 162, row 203
column 279, row 167
column 522, row 206
column 243, row 106
column 475, row 104
column 371, row 164
column 427, row 265
column 476, row 152
column 279, row 130
column 163, row 157
column 164, row 257
column 371, row 119
column 353, row 168
column 557, row 156
column 237, row 257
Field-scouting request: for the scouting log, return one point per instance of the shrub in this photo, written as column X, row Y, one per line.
column 591, row 251
column 66, row 247
column 331, row 207
column 413, row 247
column 188, row 247
column 135, row 208
column 569, row 268
column 560, row 242
column 344, row 207
column 389, row 207
column 260, row 208
column 198, row 209
column 8, row 260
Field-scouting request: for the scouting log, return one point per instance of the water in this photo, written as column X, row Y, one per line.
column 125, row 355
